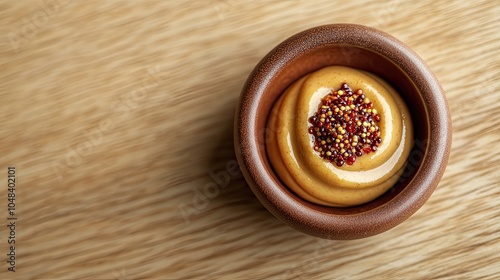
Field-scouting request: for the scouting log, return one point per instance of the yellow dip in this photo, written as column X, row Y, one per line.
column 290, row 146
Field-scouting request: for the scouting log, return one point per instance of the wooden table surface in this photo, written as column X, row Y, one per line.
column 117, row 116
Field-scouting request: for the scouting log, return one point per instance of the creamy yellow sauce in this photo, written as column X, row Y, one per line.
column 290, row 146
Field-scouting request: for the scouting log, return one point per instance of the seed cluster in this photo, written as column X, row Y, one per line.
column 345, row 126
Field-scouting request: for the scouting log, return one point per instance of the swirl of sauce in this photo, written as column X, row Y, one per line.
column 291, row 152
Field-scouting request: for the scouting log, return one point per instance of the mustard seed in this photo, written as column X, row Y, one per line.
column 345, row 126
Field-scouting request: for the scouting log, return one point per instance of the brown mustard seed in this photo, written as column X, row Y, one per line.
column 345, row 126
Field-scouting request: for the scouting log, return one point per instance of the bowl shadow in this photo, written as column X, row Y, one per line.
column 225, row 171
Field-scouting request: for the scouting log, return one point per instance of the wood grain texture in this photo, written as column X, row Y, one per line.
column 117, row 115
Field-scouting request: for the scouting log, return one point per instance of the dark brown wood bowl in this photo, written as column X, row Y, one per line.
column 366, row 49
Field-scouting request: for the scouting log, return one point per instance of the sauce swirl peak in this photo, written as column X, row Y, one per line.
column 317, row 167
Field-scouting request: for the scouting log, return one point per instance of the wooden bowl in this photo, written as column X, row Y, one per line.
column 366, row 49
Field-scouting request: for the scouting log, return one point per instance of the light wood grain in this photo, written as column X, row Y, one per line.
column 121, row 207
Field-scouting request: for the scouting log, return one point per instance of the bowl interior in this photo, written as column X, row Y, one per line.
column 355, row 57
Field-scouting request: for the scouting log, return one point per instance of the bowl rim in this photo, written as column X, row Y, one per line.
column 383, row 217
